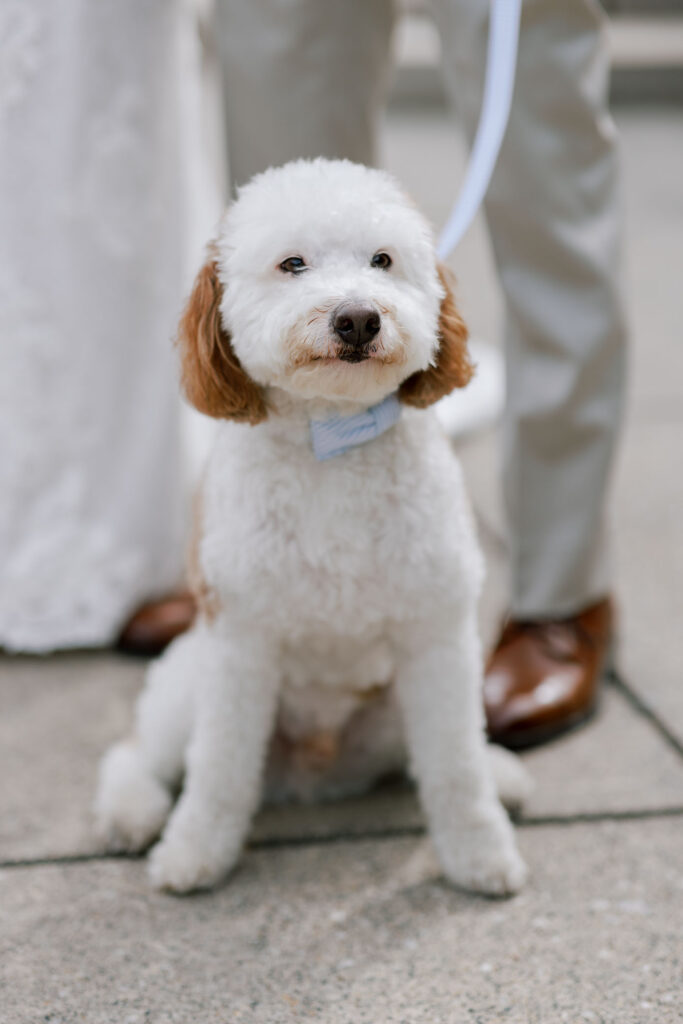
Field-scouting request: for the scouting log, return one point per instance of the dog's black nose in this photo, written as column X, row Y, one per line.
column 356, row 325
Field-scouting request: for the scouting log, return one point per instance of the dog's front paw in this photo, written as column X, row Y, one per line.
column 183, row 863
column 499, row 873
column 483, row 859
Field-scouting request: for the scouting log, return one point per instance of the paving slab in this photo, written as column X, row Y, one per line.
column 61, row 714
column 652, row 155
column 649, row 547
column 356, row 933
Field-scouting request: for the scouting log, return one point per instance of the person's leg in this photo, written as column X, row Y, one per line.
column 301, row 79
column 553, row 217
column 554, row 223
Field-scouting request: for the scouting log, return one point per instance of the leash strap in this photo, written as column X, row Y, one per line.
column 501, row 62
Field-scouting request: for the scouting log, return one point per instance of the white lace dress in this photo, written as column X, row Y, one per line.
column 90, row 288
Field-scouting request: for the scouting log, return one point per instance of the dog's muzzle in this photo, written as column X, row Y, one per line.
column 356, row 325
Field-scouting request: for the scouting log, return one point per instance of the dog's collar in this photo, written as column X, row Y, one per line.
column 338, row 434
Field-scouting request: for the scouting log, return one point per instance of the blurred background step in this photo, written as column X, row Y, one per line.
column 645, row 40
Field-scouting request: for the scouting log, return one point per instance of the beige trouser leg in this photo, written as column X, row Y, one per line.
column 303, row 78
column 554, row 222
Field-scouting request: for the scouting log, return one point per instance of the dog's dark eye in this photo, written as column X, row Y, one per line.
column 292, row 265
column 381, row 260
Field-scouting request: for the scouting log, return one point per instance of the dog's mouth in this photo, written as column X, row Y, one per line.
column 345, row 356
column 350, row 354
column 355, row 355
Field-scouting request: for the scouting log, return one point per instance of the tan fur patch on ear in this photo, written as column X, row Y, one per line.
column 212, row 376
column 452, row 367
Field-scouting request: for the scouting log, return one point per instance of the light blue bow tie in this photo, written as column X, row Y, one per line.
column 340, row 433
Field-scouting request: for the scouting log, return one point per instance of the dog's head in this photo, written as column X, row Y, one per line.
column 324, row 283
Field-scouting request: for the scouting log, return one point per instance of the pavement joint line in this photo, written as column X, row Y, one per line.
column 398, row 832
column 645, row 711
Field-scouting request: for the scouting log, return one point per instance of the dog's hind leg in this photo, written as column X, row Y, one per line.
column 237, row 682
column 439, row 688
column 137, row 776
column 514, row 785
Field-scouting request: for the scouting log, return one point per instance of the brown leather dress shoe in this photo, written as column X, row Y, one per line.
column 543, row 676
column 152, row 627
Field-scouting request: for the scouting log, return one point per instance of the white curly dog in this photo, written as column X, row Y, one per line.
column 335, row 565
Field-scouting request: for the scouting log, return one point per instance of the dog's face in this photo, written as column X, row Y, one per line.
column 323, row 283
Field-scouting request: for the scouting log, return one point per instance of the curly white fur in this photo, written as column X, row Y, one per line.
column 343, row 592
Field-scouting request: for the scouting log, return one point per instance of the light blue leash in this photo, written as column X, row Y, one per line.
column 337, row 435
column 501, row 63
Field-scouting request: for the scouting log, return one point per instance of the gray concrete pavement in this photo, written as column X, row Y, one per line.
column 336, row 914
column 356, row 933
column 61, row 714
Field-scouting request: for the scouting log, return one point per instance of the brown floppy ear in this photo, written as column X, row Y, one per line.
column 452, row 367
column 212, row 377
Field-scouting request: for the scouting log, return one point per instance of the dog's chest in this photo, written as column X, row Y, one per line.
column 342, row 548
column 334, row 555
